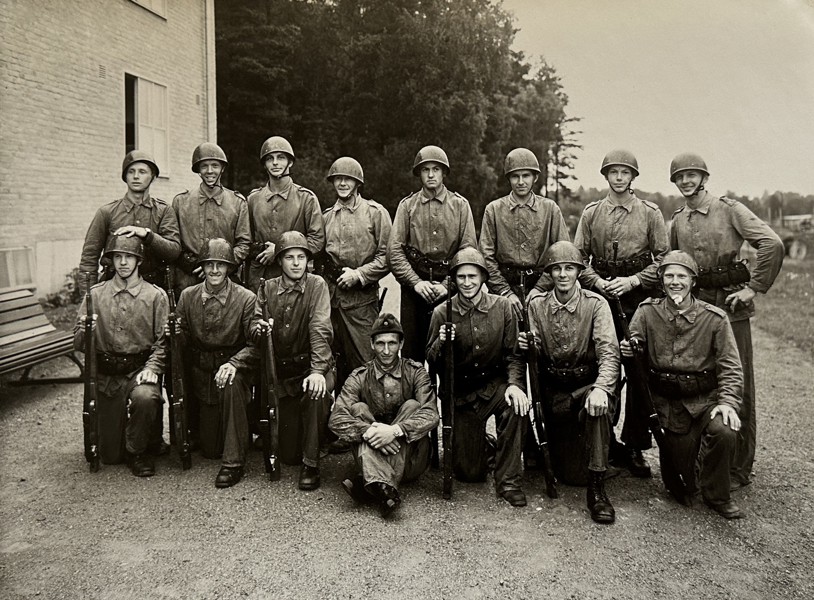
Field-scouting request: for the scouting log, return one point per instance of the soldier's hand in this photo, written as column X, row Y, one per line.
column 260, row 328
column 225, row 375
column 314, row 385
column 391, row 448
column 84, row 319
column 198, row 271
column 600, row 285
column 518, row 400
column 132, row 230
column 266, row 257
column 729, row 414
column 348, row 278
column 380, row 435
column 146, row 376
column 626, row 349
column 619, row 286
column 517, row 306
column 597, row 402
column 442, row 333
column 441, row 291
column 168, row 332
column 744, row 297
column 426, row 290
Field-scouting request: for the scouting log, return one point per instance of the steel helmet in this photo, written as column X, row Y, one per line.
column 621, row 158
column 562, row 253
column 430, row 154
column 469, row 256
column 347, row 166
column 291, row 239
column 687, row 162
column 207, row 151
column 138, row 156
column 124, row 244
column 276, row 143
column 679, row 257
column 519, row 159
column 386, row 323
column 216, row 249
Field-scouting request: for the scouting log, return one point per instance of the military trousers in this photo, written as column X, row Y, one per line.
column 747, row 436
column 127, row 415
column 303, row 424
column 352, row 327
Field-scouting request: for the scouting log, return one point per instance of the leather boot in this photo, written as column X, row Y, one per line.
column 388, row 497
column 142, row 465
column 638, row 466
column 598, row 502
column 228, row 476
column 356, row 489
column 309, row 478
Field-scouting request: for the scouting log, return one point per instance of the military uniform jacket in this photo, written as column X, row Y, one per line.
column 699, row 339
column 438, row 227
column 385, row 392
column 713, row 233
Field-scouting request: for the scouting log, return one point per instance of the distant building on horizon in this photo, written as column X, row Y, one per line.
column 84, row 82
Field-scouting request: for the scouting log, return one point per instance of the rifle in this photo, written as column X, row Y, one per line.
column 380, row 304
column 537, row 396
column 673, row 480
column 90, row 417
column 175, row 390
column 448, row 401
column 269, row 401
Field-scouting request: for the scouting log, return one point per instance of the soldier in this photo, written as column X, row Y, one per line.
column 214, row 319
column 207, row 212
column 137, row 214
column 580, row 366
column 130, row 355
column 354, row 261
column 695, row 378
column 489, row 376
column 385, row 410
column 431, row 225
column 279, row 206
column 712, row 231
column 625, row 239
column 299, row 306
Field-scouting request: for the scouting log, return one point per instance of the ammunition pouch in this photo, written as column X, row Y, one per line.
column 426, row 268
column 290, row 367
column 570, row 378
column 682, row 385
column 608, row 269
column 120, row 364
column 210, row 359
column 325, row 267
column 724, row 275
column 187, row 262
column 512, row 275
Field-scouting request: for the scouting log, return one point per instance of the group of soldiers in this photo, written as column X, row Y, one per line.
column 348, row 377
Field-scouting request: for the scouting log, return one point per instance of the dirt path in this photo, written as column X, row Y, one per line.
column 67, row 533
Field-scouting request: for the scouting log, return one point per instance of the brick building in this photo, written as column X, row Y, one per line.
column 81, row 83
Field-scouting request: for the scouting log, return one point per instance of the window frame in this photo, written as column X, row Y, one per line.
column 147, row 111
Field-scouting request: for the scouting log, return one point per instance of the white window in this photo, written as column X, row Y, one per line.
column 159, row 7
column 147, row 119
column 16, row 269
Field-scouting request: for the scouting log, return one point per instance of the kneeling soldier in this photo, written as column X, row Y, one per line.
column 385, row 409
column 300, row 319
column 214, row 318
column 696, row 380
column 130, row 356
column 579, row 368
column 489, row 376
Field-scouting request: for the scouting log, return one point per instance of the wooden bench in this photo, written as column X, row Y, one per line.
column 27, row 338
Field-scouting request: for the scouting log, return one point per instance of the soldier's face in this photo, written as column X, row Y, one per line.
column 677, row 281
column 278, row 164
column 344, row 186
column 432, row 175
column 139, row 176
column 688, row 182
column 565, row 277
column 469, row 279
column 619, row 178
column 210, row 171
column 386, row 347
column 125, row 264
column 215, row 272
column 293, row 262
column 522, row 182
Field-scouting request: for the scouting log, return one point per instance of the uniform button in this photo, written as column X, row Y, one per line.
column 288, row 325
column 476, row 364
column 435, row 247
column 435, row 233
column 388, row 395
column 477, row 347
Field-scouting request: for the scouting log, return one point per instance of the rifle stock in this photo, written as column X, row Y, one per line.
column 90, row 417
column 536, row 392
column 269, row 401
column 176, row 389
column 448, row 401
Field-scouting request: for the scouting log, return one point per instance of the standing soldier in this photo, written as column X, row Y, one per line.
column 355, row 259
column 208, row 212
column 299, row 307
column 625, row 239
column 712, row 231
column 385, row 410
column 431, row 225
column 279, row 206
column 130, row 356
column 214, row 318
column 696, row 379
column 579, row 368
column 489, row 376
column 138, row 214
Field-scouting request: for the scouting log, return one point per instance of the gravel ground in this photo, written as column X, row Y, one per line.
column 67, row 533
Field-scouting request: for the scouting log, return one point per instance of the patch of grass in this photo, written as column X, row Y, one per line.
column 787, row 310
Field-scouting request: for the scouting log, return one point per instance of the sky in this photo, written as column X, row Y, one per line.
column 732, row 80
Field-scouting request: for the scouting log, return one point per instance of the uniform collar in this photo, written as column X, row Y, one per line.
column 688, row 315
column 351, row 206
column 570, row 306
column 463, row 306
column 146, row 201
column 379, row 372
column 703, row 205
column 297, row 286
column 628, row 205
column 440, row 195
column 131, row 288
column 532, row 202
column 217, row 196
column 286, row 183
column 222, row 296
